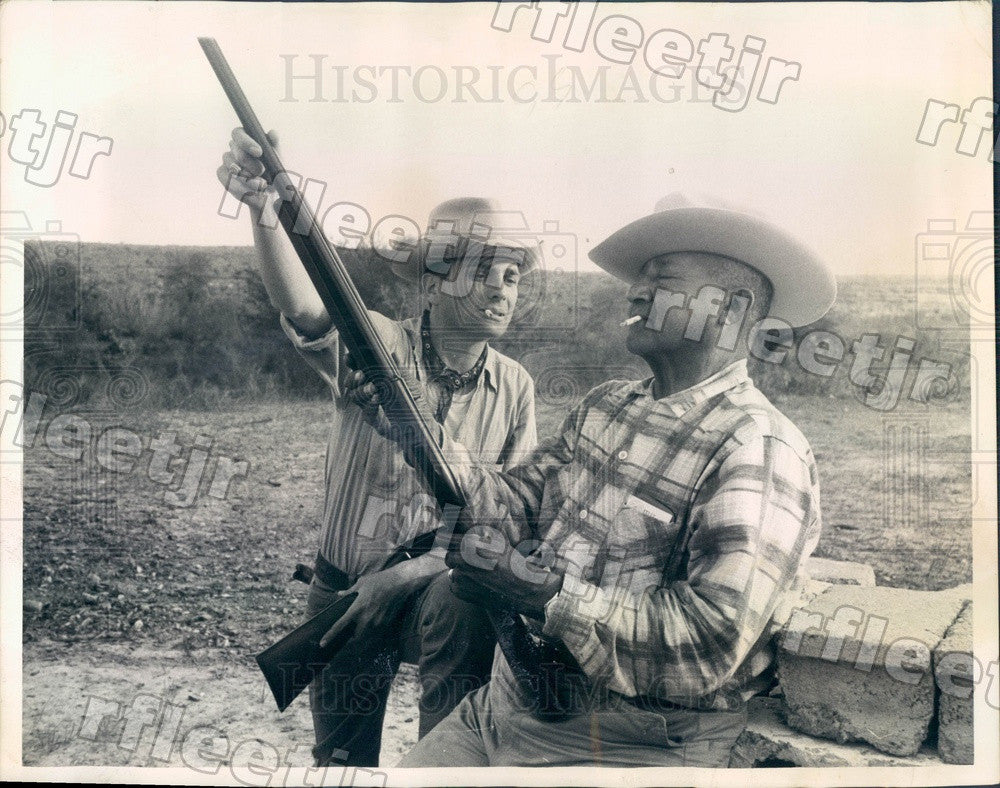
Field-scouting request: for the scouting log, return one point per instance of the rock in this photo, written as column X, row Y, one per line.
column 33, row 606
column 954, row 673
column 813, row 589
column 137, row 626
column 855, row 663
column 845, row 572
column 94, row 578
column 767, row 741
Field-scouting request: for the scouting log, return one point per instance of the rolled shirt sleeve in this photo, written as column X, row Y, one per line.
column 325, row 354
column 322, row 353
column 753, row 524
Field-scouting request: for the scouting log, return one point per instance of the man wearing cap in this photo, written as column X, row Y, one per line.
column 666, row 524
column 375, row 504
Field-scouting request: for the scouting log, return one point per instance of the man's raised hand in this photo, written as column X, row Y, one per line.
column 242, row 170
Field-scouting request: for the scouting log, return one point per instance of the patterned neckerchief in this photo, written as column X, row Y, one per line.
column 449, row 380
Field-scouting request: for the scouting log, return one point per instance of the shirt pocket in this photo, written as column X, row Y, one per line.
column 640, row 524
column 642, row 535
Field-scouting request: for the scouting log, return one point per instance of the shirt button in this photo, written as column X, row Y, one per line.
column 583, row 514
column 623, row 455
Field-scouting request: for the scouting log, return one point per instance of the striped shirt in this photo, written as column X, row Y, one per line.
column 375, row 502
column 682, row 525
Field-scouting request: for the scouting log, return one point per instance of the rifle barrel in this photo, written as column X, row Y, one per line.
column 339, row 295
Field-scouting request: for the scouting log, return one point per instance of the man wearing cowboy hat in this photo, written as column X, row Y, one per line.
column 666, row 524
column 468, row 273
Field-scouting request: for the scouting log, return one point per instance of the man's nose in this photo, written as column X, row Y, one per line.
column 495, row 286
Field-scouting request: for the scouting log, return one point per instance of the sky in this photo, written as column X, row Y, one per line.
column 834, row 159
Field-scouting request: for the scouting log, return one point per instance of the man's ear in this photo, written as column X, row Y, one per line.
column 430, row 286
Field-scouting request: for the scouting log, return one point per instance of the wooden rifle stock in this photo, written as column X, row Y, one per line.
column 341, row 298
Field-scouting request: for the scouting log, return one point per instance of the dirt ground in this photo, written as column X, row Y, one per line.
column 119, row 705
column 134, row 600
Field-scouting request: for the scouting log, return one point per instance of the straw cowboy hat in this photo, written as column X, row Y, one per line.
column 480, row 218
column 804, row 287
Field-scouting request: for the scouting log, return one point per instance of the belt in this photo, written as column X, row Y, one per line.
column 652, row 703
column 328, row 574
column 555, row 653
column 338, row 581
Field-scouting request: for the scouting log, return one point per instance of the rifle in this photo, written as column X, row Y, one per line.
column 341, row 298
column 292, row 663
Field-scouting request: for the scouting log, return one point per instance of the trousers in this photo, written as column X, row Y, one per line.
column 494, row 727
column 449, row 640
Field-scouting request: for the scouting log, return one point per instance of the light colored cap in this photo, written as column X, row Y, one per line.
column 476, row 218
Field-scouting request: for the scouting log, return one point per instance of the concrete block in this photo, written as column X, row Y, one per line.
column 955, row 676
column 769, row 742
column 848, row 573
column 855, row 664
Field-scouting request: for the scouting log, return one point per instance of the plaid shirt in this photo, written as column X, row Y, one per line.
column 682, row 526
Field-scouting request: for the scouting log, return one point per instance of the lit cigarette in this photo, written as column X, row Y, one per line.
column 630, row 321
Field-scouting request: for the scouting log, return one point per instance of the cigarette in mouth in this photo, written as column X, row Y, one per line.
column 630, row 321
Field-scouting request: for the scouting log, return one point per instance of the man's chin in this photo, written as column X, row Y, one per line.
column 493, row 332
column 487, row 328
column 637, row 344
